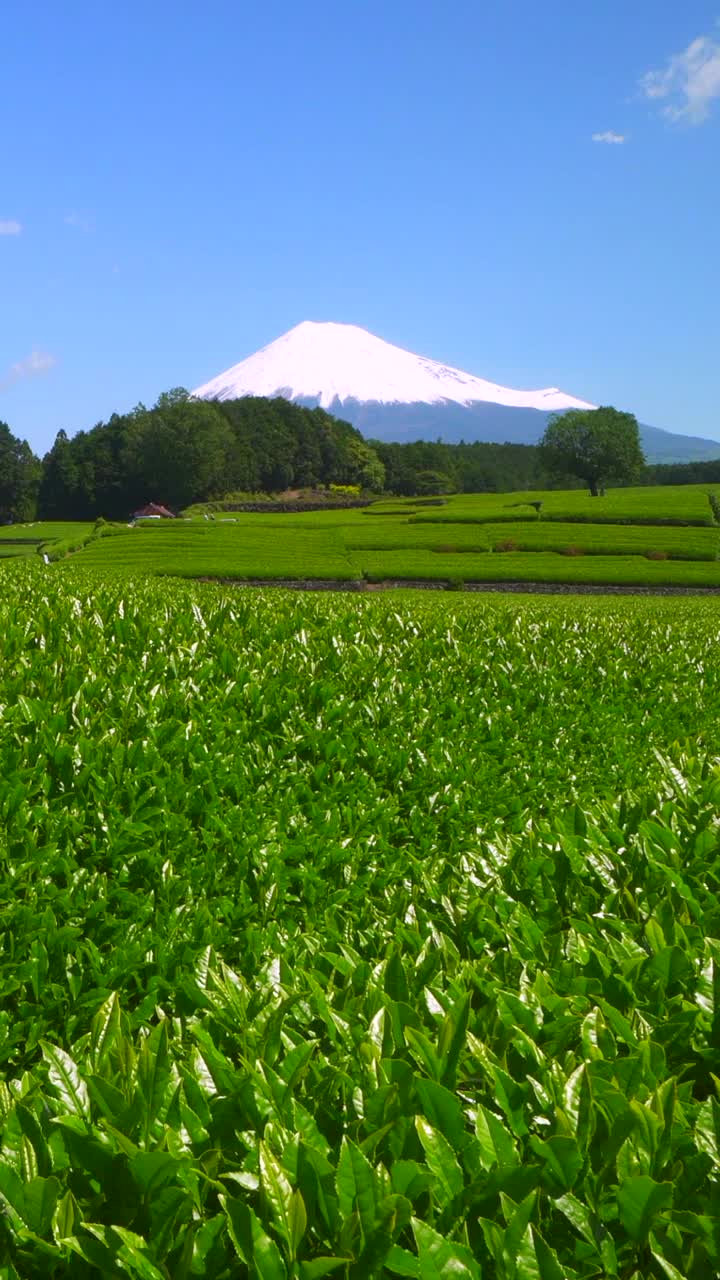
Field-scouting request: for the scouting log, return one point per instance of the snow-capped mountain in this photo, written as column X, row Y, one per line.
column 392, row 394
column 335, row 363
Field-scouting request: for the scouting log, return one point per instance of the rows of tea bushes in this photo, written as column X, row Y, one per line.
column 572, row 567
column 356, row 937
column 305, row 547
column 254, row 549
column 628, row 537
column 692, row 504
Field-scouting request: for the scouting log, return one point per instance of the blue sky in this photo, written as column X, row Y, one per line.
column 181, row 183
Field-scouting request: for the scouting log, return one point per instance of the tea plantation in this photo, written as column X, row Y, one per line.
column 648, row 537
column 356, row 936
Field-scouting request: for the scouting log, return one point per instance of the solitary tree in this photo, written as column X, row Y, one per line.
column 596, row 445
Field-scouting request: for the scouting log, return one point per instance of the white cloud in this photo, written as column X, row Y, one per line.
column 609, row 136
column 690, row 81
column 32, row 366
column 10, row 227
column 79, row 221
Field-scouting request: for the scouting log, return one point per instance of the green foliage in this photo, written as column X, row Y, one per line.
column 311, row 966
column 678, row 505
column 19, row 477
column 252, row 548
column 538, row 566
column 413, row 541
column 707, row 473
column 59, row 486
column 470, row 468
column 189, row 453
column 185, row 451
column 62, row 547
column 38, row 531
column 229, row 500
column 174, row 453
column 9, row 550
column 376, row 533
column 606, row 539
column 434, row 482
column 596, row 445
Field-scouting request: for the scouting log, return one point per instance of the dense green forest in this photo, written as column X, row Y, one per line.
column 425, row 467
column 683, row 473
column 182, row 451
column 20, row 474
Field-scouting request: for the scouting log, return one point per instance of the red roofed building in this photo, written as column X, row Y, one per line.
column 153, row 510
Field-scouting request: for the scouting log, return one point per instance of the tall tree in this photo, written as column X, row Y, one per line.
column 58, row 496
column 597, row 445
column 178, row 452
column 19, row 477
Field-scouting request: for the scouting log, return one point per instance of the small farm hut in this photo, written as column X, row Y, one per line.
column 153, row 511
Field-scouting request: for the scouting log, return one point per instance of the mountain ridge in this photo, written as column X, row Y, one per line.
column 392, row 395
column 338, row 362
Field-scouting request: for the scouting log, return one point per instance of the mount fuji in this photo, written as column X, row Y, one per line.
column 393, row 395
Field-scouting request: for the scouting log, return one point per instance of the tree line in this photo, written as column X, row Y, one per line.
column 183, row 451
column 581, row 447
column 426, row 467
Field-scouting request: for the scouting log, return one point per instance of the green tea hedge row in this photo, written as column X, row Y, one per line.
column 328, row 948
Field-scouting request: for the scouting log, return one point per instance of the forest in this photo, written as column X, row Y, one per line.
column 184, row 451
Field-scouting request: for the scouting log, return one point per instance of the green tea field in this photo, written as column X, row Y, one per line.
column 669, row 504
column 356, row 936
column 661, row 537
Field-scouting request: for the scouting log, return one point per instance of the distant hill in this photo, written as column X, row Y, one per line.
column 665, row 446
column 393, row 395
column 494, row 423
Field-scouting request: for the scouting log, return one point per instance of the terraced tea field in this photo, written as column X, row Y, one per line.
column 367, row 937
column 247, row 550
column 667, row 504
column 625, row 571
column 633, row 537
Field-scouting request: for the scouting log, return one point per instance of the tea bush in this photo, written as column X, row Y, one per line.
column 356, row 937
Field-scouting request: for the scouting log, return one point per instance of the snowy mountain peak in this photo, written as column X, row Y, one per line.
column 330, row 363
